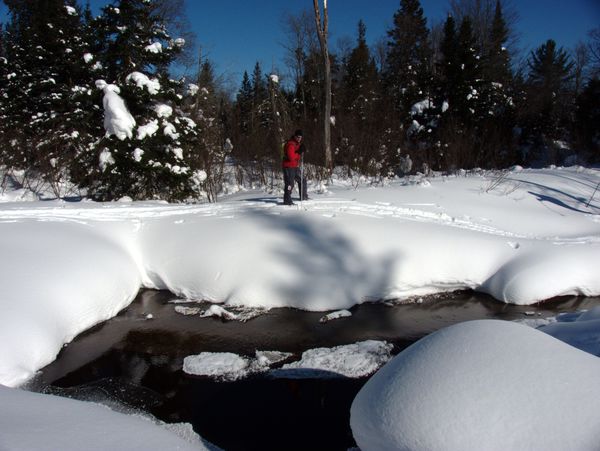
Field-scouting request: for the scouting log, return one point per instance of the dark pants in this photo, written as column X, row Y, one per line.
column 290, row 177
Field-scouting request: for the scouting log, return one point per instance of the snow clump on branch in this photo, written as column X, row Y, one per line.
column 142, row 81
column 118, row 120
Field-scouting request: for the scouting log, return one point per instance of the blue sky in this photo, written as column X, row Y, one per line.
column 237, row 33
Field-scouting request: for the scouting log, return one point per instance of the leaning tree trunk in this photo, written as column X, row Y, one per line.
column 322, row 31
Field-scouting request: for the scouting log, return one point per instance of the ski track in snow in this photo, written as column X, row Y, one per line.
column 329, row 208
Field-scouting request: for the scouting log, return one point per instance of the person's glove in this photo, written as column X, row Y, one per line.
column 301, row 149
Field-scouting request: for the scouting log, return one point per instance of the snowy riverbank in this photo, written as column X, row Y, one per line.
column 68, row 266
column 522, row 238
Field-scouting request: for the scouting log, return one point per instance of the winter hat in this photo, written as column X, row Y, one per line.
column 298, row 133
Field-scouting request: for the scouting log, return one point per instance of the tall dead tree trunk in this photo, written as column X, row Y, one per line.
column 322, row 31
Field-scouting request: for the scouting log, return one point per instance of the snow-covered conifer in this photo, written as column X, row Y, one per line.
column 407, row 73
column 147, row 136
column 45, row 46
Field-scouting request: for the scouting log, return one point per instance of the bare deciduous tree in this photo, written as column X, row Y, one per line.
column 174, row 14
column 594, row 49
column 323, row 31
column 581, row 58
column 481, row 13
column 301, row 41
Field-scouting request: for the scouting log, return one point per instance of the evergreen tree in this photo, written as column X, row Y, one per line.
column 262, row 120
column 465, row 93
column 47, row 88
column 549, row 99
column 588, row 118
column 4, row 141
column 259, row 86
column 155, row 158
column 360, row 79
column 459, row 102
column 496, row 67
column 449, row 66
column 498, row 112
column 208, row 113
column 244, row 105
column 407, row 73
column 360, row 123
column 550, row 67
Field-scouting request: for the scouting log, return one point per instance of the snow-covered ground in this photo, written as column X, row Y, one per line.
column 522, row 237
column 482, row 385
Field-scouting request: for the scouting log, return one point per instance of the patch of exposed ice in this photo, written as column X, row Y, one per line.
column 354, row 360
column 335, row 315
column 220, row 365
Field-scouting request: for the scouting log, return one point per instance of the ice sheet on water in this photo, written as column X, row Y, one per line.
column 335, row 315
column 231, row 314
column 354, row 361
column 270, row 358
column 220, row 365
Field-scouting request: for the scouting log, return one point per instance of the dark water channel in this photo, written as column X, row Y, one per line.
column 135, row 363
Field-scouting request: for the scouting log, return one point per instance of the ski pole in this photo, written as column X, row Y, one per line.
column 301, row 178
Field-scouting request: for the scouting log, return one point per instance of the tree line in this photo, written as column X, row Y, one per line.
column 423, row 98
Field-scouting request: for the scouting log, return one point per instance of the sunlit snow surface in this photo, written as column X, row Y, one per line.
column 31, row 421
column 482, row 385
column 524, row 236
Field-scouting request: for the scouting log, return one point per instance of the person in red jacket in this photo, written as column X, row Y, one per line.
column 292, row 155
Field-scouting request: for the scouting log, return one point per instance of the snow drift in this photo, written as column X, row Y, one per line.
column 487, row 384
column 51, row 423
column 67, row 266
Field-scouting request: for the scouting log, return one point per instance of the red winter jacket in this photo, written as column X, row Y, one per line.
column 291, row 157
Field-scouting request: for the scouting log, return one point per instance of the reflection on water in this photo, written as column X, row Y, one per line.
column 135, row 363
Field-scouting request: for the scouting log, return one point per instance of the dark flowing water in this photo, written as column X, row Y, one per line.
column 134, row 363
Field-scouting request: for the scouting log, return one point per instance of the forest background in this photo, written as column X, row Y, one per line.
column 455, row 95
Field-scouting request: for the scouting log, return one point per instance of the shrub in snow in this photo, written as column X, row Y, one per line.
column 482, row 385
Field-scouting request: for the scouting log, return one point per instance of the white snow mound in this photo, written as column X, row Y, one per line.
column 487, row 384
column 43, row 422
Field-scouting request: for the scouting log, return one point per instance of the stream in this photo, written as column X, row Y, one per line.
column 133, row 363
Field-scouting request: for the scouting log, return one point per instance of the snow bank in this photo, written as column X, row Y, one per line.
column 68, row 266
column 58, row 279
column 41, row 422
column 541, row 272
column 490, row 385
